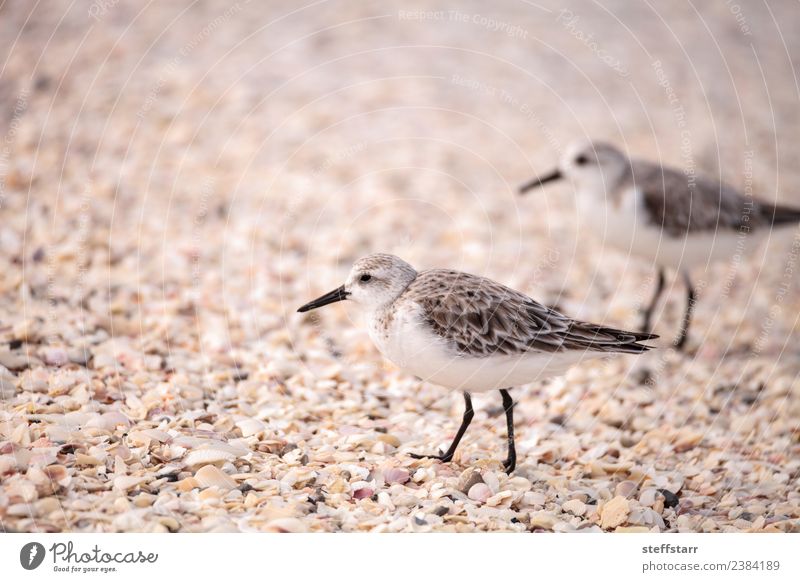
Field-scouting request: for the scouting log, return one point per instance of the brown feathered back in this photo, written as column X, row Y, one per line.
column 484, row 318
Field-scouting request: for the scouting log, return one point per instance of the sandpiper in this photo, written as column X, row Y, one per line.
column 469, row 333
column 671, row 218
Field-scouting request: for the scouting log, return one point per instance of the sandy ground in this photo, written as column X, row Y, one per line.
column 178, row 179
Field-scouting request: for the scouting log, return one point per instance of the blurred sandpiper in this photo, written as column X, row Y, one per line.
column 670, row 218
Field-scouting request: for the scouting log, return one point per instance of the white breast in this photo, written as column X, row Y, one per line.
column 405, row 340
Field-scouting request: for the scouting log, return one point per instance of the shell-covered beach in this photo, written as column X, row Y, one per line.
column 177, row 179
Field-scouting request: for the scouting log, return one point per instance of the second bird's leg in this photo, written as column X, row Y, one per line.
column 469, row 414
column 648, row 313
column 691, row 298
column 508, row 405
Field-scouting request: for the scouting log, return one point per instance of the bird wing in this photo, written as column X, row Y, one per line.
column 480, row 318
column 681, row 204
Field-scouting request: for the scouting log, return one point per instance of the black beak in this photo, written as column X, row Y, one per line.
column 336, row 295
column 536, row 182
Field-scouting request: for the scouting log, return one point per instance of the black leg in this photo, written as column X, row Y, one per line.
column 648, row 314
column 508, row 406
column 469, row 414
column 691, row 298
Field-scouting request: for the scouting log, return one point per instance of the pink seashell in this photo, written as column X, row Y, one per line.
column 363, row 493
column 479, row 492
column 396, row 475
column 56, row 356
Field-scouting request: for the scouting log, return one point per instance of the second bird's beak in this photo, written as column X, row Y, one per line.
column 536, row 182
column 336, row 295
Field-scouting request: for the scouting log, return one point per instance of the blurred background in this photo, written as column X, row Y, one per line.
column 176, row 178
column 246, row 144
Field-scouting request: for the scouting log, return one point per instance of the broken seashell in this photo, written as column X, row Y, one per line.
column 211, row 476
column 396, row 475
column 127, row 482
column 250, row 426
column 479, row 492
column 207, row 456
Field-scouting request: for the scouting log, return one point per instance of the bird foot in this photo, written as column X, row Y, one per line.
column 443, row 457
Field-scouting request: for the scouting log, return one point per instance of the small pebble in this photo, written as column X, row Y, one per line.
column 670, row 499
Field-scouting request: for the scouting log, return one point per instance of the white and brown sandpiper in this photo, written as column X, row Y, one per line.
column 470, row 333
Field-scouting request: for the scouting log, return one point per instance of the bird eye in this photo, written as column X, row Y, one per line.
column 581, row 160
column 365, row 278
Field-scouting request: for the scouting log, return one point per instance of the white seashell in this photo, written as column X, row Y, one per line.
column 37, row 476
column 626, row 488
column 534, row 498
column 574, row 506
column 356, row 470
column 35, row 380
column 386, row 500
column 543, row 519
column 82, row 459
column 20, row 435
column 55, row 356
column 48, row 505
column 157, row 435
column 636, row 517
column 289, row 479
column 250, row 426
column 282, row 368
column 198, row 443
column 648, row 497
column 23, row 490
column 74, row 419
column 137, row 438
column 492, row 481
column 207, row 456
column 419, row 475
column 19, row 510
column 211, row 476
column 499, row 498
column 126, row 482
column 57, row 434
column 109, row 421
column 8, row 386
column 520, row 484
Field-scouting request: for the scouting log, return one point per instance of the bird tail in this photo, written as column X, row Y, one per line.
column 609, row 339
column 636, row 348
